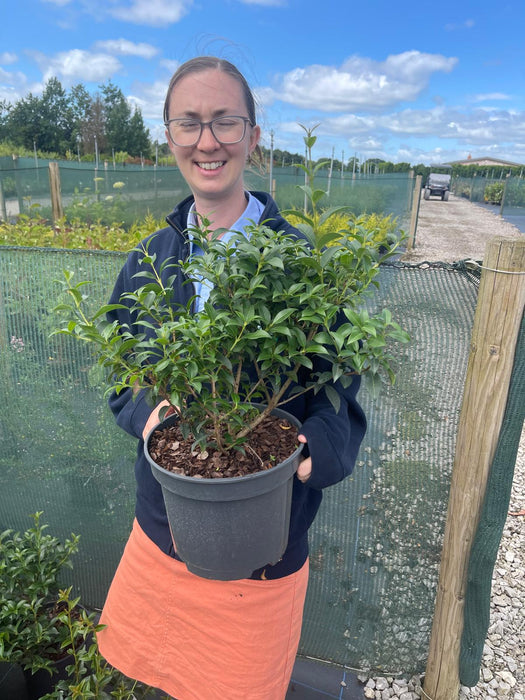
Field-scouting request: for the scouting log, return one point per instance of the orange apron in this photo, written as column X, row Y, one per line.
column 197, row 639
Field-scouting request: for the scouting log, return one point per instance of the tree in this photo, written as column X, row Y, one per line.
column 24, row 123
column 117, row 115
column 56, row 118
column 92, row 129
column 138, row 136
column 5, row 109
column 80, row 103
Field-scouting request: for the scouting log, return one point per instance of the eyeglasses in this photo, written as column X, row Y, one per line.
column 226, row 130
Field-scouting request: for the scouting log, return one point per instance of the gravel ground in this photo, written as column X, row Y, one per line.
column 447, row 232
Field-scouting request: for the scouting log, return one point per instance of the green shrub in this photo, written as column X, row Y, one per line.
column 38, row 232
column 382, row 230
column 493, row 193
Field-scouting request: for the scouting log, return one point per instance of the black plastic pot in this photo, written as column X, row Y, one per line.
column 43, row 682
column 224, row 529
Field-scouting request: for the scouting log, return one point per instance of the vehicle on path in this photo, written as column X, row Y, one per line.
column 437, row 185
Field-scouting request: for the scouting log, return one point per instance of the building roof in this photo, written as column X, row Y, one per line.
column 485, row 161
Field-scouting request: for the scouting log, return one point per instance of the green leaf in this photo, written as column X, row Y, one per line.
column 256, row 335
column 332, row 211
column 373, row 384
column 282, row 316
column 299, row 214
column 333, row 397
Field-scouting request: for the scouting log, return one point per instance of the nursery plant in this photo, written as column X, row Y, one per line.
column 44, row 629
column 88, row 674
column 285, row 315
column 277, row 302
column 30, row 566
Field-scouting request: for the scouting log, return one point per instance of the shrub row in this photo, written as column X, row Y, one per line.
column 37, row 232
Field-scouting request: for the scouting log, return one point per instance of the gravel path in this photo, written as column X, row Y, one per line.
column 447, row 232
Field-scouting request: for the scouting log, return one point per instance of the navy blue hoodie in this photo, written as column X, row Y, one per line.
column 333, row 438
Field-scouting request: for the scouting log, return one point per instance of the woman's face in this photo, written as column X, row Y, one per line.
column 212, row 170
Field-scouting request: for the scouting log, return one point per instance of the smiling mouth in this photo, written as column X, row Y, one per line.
column 211, row 166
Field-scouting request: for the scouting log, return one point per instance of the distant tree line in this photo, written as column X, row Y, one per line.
column 377, row 166
column 74, row 123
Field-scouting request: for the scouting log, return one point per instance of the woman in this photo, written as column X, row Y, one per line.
column 194, row 638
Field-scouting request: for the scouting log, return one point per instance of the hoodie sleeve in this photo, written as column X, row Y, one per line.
column 333, row 438
column 131, row 411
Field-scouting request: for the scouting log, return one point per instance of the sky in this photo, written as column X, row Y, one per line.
column 404, row 81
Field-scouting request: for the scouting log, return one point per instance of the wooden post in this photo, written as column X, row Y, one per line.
column 19, row 191
column 3, row 209
column 56, row 197
column 416, row 198
column 497, row 322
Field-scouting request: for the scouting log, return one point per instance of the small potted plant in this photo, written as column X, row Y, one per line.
column 278, row 303
column 31, row 633
column 87, row 673
column 47, row 632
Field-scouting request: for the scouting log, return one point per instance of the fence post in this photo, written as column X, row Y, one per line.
column 3, row 210
column 497, row 321
column 56, row 197
column 502, row 203
column 416, row 199
column 18, row 185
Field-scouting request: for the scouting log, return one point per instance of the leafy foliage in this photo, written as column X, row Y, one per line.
column 278, row 304
column 66, row 121
column 88, row 675
column 30, row 564
column 37, row 232
column 494, row 192
column 40, row 623
column 383, row 229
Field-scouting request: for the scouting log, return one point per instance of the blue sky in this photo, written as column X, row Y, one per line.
column 405, row 80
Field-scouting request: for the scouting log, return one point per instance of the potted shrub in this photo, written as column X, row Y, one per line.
column 277, row 303
column 46, row 631
column 31, row 633
column 86, row 673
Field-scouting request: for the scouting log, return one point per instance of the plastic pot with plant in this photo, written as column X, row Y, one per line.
column 281, row 308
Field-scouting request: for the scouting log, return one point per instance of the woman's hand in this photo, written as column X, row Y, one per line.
column 154, row 418
column 304, row 470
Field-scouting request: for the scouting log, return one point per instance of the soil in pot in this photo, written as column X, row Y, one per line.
column 269, row 444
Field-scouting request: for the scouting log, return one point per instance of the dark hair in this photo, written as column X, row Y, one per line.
column 202, row 63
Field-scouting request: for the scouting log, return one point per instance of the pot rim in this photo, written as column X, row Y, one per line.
column 227, row 479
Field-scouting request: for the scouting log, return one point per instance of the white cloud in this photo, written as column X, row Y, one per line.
column 124, row 47
column 8, row 58
column 467, row 24
column 491, row 96
column 414, row 135
column 15, row 85
column 150, row 98
column 77, row 65
column 60, row 3
column 155, row 13
column 361, row 84
column 169, row 64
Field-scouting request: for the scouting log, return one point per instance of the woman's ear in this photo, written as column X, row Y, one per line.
column 254, row 138
column 170, row 143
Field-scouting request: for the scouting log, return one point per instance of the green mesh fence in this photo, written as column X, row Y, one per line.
column 492, row 521
column 507, row 195
column 127, row 194
column 375, row 546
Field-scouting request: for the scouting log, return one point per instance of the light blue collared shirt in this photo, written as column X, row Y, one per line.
column 252, row 214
